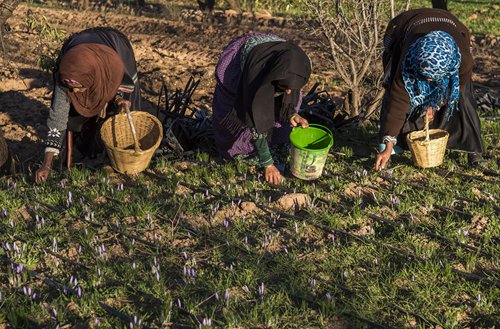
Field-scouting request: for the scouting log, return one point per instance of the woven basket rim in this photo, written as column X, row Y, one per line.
column 419, row 133
column 108, row 123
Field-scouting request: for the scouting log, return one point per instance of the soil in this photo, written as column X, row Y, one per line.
column 294, row 201
column 167, row 50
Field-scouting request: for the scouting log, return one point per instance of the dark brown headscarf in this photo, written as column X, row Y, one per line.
column 99, row 69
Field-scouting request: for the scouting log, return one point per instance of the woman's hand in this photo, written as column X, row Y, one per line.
column 122, row 104
column 431, row 113
column 383, row 157
column 42, row 174
column 296, row 120
column 272, row 175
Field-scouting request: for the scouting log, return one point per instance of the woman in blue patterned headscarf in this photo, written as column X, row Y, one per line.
column 428, row 71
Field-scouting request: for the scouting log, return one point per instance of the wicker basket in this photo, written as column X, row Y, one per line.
column 130, row 154
column 427, row 146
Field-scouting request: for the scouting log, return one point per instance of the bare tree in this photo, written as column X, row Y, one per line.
column 351, row 29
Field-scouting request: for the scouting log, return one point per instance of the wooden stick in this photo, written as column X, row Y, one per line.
column 427, row 126
column 69, row 153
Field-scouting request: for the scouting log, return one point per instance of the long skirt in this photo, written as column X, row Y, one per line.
column 227, row 74
column 464, row 126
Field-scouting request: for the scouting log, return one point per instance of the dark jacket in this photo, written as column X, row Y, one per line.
column 401, row 32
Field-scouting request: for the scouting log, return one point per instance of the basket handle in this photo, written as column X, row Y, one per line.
column 427, row 139
column 132, row 127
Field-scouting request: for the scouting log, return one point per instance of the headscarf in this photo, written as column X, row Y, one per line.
column 266, row 67
column 435, row 56
column 99, row 69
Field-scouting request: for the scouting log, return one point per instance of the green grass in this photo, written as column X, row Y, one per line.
column 480, row 16
column 178, row 256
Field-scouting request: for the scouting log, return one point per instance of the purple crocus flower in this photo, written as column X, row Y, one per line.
column 226, row 295
column 261, row 289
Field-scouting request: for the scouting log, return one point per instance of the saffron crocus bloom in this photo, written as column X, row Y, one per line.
column 261, row 289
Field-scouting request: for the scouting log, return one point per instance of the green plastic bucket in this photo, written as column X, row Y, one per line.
column 310, row 147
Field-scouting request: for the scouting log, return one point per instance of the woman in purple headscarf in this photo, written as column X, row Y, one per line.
column 259, row 80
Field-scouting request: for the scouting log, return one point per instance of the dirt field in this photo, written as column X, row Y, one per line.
column 166, row 50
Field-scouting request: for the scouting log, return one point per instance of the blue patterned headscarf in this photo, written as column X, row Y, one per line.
column 434, row 56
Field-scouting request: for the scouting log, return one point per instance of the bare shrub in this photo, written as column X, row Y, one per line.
column 49, row 40
column 351, row 30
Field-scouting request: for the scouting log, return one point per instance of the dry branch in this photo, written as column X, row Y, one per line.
column 351, row 30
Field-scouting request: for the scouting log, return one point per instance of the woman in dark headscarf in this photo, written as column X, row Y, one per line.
column 259, row 80
column 428, row 71
column 96, row 73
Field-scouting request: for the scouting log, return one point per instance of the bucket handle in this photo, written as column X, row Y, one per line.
column 132, row 127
